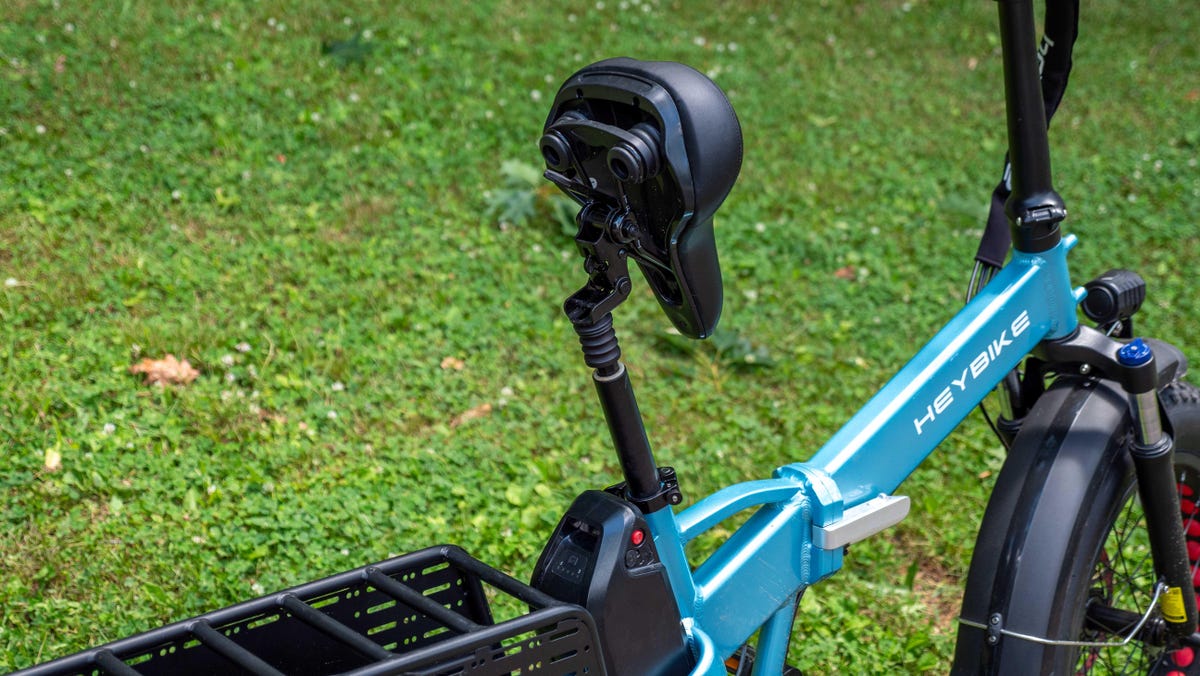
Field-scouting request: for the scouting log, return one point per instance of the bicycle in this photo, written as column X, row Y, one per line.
column 650, row 151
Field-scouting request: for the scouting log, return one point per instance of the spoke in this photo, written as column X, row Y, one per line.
column 1117, row 583
column 1122, row 542
column 1121, row 584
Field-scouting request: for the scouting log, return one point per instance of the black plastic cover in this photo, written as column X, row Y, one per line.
column 659, row 143
column 601, row 557
column 1114, row 296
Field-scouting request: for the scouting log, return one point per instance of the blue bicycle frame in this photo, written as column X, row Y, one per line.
column 754, row 578
column 809, row 511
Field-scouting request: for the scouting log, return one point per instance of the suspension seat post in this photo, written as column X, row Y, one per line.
column 602, row 353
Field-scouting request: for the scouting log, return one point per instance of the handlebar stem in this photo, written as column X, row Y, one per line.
column 1034, row 209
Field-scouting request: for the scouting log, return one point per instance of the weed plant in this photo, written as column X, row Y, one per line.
column 325, row 208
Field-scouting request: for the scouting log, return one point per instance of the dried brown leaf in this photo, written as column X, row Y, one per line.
column 475, row 413
column 167, row 370
column 847, row 273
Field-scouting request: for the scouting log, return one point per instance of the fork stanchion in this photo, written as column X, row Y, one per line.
column 1153, row 454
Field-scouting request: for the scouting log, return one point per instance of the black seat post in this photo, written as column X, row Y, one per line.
column 590, row 311
column 613, row 386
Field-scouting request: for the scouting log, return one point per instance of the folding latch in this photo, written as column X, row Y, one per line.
column 862, row 521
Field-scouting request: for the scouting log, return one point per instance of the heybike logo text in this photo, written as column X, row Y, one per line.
column 971, row 373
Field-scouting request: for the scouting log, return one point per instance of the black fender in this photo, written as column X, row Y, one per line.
column 1073, row 440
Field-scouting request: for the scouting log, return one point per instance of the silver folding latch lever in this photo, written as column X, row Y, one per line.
column 862, row 521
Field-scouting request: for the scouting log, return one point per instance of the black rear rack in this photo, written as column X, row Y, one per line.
column 424, row 614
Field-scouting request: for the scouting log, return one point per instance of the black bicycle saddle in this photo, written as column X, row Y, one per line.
column 656, row 146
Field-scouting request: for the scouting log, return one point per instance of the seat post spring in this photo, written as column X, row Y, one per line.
column 602, row 352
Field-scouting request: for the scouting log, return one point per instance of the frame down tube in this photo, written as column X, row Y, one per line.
column 758, row 571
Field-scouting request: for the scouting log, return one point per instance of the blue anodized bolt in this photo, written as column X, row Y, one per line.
column 1134, row 353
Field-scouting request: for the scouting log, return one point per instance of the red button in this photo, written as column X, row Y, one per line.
column 1184, row 656
column 638, row 537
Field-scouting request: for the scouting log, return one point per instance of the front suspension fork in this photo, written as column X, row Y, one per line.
column 1153, row 453
column 1133, row 365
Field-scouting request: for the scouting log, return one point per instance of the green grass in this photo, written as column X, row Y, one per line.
column 316, row 233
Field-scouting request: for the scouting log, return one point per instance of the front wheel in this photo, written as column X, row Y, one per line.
column 1063, row 555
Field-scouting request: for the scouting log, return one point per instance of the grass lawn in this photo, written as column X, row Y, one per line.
column 325, row 208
